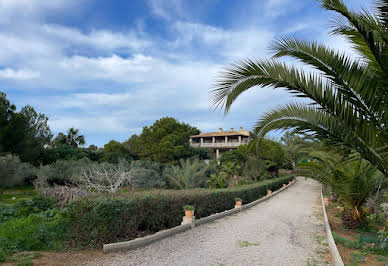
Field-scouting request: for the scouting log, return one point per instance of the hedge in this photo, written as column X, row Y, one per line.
column 96, row 221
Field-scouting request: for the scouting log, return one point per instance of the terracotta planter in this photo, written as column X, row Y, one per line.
column 189, row 214
column 269, row 192
column 238, row 203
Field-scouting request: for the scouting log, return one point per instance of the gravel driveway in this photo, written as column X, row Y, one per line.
column 284, row 230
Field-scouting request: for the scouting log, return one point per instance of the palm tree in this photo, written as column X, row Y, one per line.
column 349, row 97
column 190, row 173
column 295, row 147
column 73, row 138
column 352, row 180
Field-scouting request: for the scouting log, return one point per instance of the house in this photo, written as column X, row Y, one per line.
column 221, row 141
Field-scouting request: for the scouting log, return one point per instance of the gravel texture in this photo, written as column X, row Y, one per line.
column 287, row 229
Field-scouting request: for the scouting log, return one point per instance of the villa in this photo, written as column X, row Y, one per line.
column 221, row 141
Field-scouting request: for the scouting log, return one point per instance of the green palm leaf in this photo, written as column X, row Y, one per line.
column 349, row 98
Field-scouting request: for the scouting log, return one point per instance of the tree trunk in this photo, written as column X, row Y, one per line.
column 293, row 163
column 352, row 217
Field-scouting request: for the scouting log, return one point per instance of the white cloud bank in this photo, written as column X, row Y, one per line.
column 113, row 82
column 21, row 74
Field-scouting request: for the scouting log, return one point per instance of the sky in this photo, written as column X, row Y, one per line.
column 109, row 68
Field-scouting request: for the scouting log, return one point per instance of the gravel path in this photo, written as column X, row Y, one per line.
column 284, row 230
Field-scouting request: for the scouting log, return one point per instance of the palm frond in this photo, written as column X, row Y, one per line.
column 365, row 33
column 308, row 119
column 381, row 9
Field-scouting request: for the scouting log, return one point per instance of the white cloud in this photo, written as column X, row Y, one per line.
column 21, row 74
column 274, row 8
column 89, row 124
column 97, row 39
column 18, row 10
column 167, row 9
column 231, row 44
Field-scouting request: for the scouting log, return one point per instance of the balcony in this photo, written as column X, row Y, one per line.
column 216, row 145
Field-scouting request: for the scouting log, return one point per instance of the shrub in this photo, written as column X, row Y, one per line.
column 61, row 172
column 190, row 173
column 13, row 172
column 63, row 194
column 99, row 220
column 188, row 208
column 255, row 170
column 217, row 181
column 148, row 175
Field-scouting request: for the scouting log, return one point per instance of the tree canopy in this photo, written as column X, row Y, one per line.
column 71, row 138
column 23, row 133
column 167, row 140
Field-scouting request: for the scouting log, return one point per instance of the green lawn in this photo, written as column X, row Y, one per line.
column 19, row 193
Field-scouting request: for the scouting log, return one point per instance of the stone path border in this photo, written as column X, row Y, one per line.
column 337, row 260
column 143, row 241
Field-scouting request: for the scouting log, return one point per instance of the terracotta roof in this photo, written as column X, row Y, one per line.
column 245, row 133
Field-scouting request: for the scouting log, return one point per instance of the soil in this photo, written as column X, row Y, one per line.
column 334, row 212
column 47, row 258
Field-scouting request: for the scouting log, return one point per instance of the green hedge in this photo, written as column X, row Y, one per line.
column 96, row 221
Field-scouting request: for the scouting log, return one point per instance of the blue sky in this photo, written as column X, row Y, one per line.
column 111, row 67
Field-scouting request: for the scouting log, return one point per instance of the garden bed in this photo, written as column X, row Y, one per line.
column 353, row 244
column 13, row 195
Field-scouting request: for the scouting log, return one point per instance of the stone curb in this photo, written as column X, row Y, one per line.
column 144, row 241
column 337, row 260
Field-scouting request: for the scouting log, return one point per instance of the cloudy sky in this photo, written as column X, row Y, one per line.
column 111, row 67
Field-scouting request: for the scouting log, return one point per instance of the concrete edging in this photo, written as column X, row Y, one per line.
column 144, row 241
column 333, row 247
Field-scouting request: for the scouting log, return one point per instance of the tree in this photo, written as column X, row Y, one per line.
column 271, row 152
column 167, row 140
column 234, row 156
column 6, row 112
column 72, row 138
column 106, row 177
column 294, row 148
column 352, row 180
column 348, row 102
column 23, row 133
column 60, row 140
column 114, row 151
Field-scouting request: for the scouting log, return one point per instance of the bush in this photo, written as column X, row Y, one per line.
column 217, row 181
column 99, row 220
column 61, row 172
column 148, row 175
column 63, row 194
column 254, row 169
column 13, row 172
